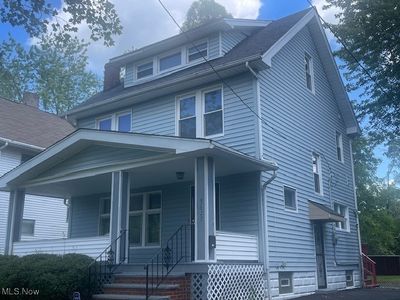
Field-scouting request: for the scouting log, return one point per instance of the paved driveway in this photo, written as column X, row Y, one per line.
column 357, row 294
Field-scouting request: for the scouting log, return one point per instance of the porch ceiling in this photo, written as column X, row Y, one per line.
column 82, row 162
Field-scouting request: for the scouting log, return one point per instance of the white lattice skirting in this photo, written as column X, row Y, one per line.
column 235, row 282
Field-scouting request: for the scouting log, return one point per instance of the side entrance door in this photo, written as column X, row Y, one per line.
column 320, row 254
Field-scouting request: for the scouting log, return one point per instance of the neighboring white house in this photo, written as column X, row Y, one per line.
column 24, row 132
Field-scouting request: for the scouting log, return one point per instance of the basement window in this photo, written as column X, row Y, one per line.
column 349, row 278
column 285, row 282
column 28, row 227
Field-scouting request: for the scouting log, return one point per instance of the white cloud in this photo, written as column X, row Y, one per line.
column 145, row 22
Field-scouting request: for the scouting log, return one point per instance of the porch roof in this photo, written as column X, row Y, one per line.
column 77, row 156
column 322, row 213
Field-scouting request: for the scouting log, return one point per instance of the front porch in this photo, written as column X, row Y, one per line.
column 148, row 186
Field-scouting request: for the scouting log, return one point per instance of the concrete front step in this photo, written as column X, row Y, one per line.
column 127, row 297
column 139, row 286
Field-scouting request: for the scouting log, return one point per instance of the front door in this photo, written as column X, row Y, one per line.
column 320, row 255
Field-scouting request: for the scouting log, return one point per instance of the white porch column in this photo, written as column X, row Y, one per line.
column 120, row 192
column 204, row 209
column 15, row 216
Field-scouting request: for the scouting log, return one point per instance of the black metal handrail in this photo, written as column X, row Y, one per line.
column 174, row 251
column 103, row 267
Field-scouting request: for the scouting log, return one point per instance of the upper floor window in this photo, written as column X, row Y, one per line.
column 309, row 72
column 316, row 161
column 170, row 61
column 118, row 122
column 290, row 198
column 200, row 114
column 344, row 212
column 144, row 70
column 339, row 146
column 197, row 52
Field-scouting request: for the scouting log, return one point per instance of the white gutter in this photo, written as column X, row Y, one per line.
column 20, row 144
column 4, row 146
column 265, row 232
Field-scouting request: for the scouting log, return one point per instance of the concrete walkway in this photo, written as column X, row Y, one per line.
column 357, row 294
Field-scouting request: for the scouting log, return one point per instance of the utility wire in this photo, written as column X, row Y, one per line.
column 346, row 48
column 217, row 73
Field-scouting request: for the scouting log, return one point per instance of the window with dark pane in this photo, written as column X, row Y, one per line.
column 105, row 209
column 290, row 198
column 153, row 229
column 187, row 117
column 105, row 124
column 213, row 113
column 316, row 161
column 170, row 61
column 124, row 123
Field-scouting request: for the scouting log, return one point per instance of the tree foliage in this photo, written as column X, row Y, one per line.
column 378, row 203
column 203, row 11
column 55, row 69
column 37, row 17
column 371, row 30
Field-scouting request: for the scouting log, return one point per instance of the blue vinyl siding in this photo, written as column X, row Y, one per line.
column 84, row 214
column 307, row 123
column 230, row 39
column 213, row 46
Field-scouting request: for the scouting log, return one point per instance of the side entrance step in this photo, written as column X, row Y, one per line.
column 127, row 286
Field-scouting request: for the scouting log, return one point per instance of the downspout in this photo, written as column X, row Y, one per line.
column 265, row 231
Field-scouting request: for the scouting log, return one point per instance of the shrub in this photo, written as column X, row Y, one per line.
column 55, row 276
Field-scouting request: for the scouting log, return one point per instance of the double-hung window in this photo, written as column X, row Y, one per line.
column 344, row 212
column 105, row 210
column 316, row 162
column 339, row 146
column 200, row 114
column 198, row 51
column 144, row 70
column 308, row 63
column 145, row 219
column 170, row 61
column 118, row 122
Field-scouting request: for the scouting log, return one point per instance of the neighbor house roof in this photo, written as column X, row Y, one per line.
column 252, row 47
column 27, row 126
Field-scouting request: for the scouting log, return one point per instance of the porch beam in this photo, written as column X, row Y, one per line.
column 14, row 221
column 120, row 192
column 205, row 227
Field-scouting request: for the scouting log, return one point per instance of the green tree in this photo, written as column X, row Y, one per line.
column 55, row 69
column 35, row 15
column 202, row 11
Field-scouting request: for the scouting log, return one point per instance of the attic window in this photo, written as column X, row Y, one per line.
column 197, row 52
column 144, row 70
column 309, row 72
column 170, row 61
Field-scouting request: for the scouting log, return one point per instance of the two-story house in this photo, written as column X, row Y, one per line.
column 223, row 158
column 24, row 132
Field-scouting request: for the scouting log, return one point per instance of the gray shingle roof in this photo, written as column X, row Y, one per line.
column 26, row 124
column 254, row 45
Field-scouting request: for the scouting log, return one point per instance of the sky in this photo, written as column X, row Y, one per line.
column 145, row 22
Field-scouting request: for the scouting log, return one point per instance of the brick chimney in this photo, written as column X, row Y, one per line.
column 111, row 76
column 31, row 99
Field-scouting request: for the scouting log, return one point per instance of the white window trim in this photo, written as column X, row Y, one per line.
column 101, row 215
column 114, row 119
column 346, row 216
column 144, row 212
column 296, row 210
column 319, row 163
column 200, row 58
column 338, row 133
column 169, row 53
column 311, row 63
column 200, row 111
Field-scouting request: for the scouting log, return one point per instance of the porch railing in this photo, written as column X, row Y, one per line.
column 163, row 262
column 103, row 267
column 369, row 271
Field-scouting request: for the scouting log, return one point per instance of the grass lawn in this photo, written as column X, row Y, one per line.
column 385, row 278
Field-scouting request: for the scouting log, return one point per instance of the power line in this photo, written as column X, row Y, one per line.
column 348, row 50
column 217, row 73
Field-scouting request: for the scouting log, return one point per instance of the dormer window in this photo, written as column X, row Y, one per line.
column 170, row 61
column 144, row 70
column 197, row 52
column 117, row 122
